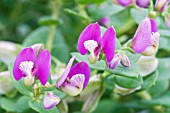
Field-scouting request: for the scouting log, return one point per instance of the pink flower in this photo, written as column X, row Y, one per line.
column 75, row 78
column 146, row 38
column 31, row 63
column 90, row 40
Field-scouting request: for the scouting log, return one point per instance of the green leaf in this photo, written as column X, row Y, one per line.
column 60, row 94
column 164, row 43
column 101, row 65
column 37, row 106
column 19, row 85
column 149, row 81
column 138, row 14
column 22, row 104
column 8, row 104
column 163, row 68
column 108, row 82
column 164, row 32
column 40, row 35
column 78, row 15
column 108, row 9
column 162, row 85
column 162, row 100
column 106, row 103
column 128, row 82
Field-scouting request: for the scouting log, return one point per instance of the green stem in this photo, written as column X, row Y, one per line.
column 55, row 6
column 33, row 88
column 144, row 95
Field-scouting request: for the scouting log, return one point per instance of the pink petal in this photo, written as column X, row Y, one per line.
column 66, row 72
column 154, row 27
column 108, row 43
column 42, row 66
column 142, row 36
column 81, row 68
column 91, row 32
column 26, row 54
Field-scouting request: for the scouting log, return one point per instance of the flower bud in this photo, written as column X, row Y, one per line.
column 105, row 21
column 50, row 100
column 125, row 91
column 143, row 3
column 115, row 61
column 125, row 60
column 147, row 65
column 161, row 5
column 123, row 2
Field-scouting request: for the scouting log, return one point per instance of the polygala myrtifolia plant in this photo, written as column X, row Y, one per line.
column 99, row 53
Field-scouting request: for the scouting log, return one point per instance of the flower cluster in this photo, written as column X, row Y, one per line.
column 34, row 62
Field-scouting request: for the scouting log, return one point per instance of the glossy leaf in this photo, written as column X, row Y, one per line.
column 128, row 82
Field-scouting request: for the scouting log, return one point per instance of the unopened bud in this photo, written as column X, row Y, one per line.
column 161, row 5
column 143, row 3
column 123, row 2
column 115, row 61
column 125, row 61
column 50, row 100
column 104, row 21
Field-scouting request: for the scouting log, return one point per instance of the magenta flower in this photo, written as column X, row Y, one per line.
column 143, row 3
column 50, row 100
column 145, row 37
column 74, row 79
column 161, row 5
column 124, row 2
column 90, row 40
column 32, row 62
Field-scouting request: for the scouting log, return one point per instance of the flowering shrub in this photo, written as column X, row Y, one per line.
column 88, row 56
